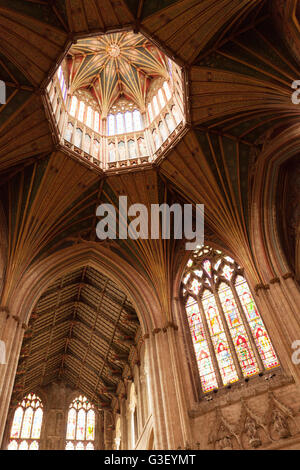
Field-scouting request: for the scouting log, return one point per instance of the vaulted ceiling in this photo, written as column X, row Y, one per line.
column 240, row 72
column 115, row 65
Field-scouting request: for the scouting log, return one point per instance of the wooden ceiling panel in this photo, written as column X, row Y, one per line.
column 76, row 338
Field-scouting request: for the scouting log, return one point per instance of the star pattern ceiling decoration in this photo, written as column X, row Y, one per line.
column 113, row 66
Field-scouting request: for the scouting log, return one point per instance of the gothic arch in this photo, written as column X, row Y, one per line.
column 266, row 244
column 42, row 274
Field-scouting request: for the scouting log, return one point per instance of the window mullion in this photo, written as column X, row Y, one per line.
column 210, row 344
column 228, row 336
column 247, row 328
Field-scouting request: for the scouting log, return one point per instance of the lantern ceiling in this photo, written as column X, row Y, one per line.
column 114, row 66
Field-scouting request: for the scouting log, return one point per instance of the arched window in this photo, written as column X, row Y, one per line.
column 137, row 120
column 89, row 117
column 163, row 131
column 131, row 148
column 73, row 107
column 228, row 334
column 161, row 98
column 167, row 90
column 111, row 152
column 176, row 114
column 111, row 124
column 128, row 121
column 96, row 122
column 150, row 112
column 27, row 424
column 96, row 148
column 87, row 143
column 81, row 111
column 69, row 132
column 81, row 425
column 120, row 123
column 155, row 105
column 142, row 146
column 78, row 137
column 122, row 151
column 169, row 122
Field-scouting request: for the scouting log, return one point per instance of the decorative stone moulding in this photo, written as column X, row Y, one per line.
column 117, row 102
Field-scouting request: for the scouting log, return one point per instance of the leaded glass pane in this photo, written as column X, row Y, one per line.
column 236, row 330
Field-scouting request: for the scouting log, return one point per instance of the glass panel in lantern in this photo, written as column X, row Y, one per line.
column 131, row 148
column 155, row 106
column 111, row 124
column 128, row 121
column 142, row 146
column 87, row 143
column 163, row 131
column 167, row 90
column 170, row 122
column 96, row 122
column 81, row 111
column 73, row 106
column 137, row 120
column 161, row 98
column 78, row 137
column 122, row 152
column 150, row 112
column 120, row 123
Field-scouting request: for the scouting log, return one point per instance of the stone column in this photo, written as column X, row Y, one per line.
column 11, row 333
column 170, row 417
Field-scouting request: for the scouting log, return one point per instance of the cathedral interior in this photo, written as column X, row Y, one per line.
column 140, row 344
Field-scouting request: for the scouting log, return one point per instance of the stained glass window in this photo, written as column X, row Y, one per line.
column 27, row 424
column 73, row 107
column 137, row 120
column 167, row 90
column 81, row 111
column 81, row 425
column 229, row 337
column 89, row 116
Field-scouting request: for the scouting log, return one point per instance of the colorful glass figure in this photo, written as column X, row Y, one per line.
column 215, row 285
column 81, row 425
column 27, row 424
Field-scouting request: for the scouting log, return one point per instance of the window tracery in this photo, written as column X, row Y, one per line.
column 27, row 424
column 81, row 425
column 229, row 337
